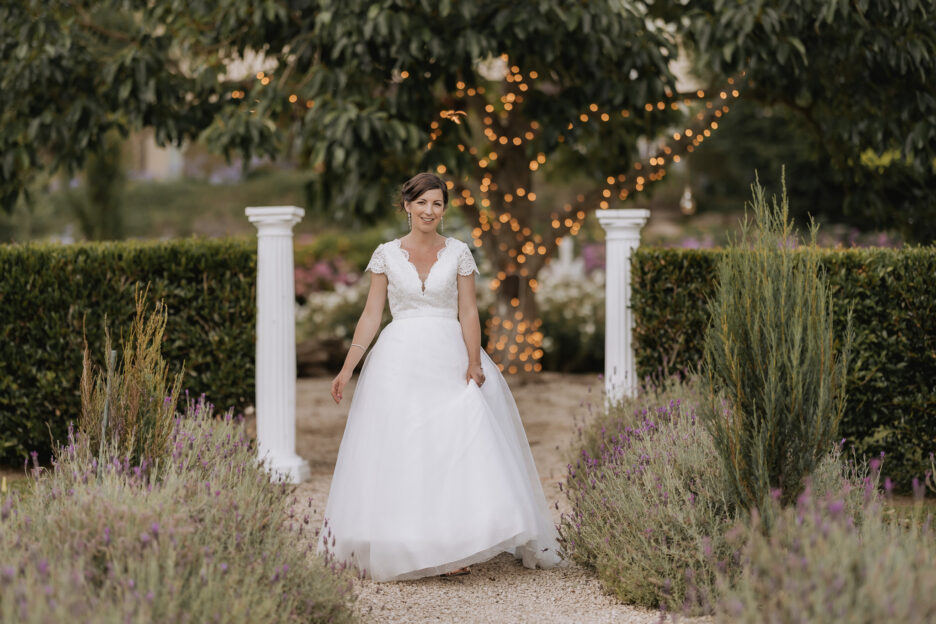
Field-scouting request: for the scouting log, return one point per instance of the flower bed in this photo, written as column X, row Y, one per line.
column 201, row 535
column 649, row 512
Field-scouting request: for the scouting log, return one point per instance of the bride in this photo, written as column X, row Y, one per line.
column 434, row 472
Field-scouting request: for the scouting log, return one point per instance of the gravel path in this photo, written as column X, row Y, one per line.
column 501, row 589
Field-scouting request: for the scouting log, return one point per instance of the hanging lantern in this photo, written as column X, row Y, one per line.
column 687, row 202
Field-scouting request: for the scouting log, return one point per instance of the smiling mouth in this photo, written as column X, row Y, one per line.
column 425, row 220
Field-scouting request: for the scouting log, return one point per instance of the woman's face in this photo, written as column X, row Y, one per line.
column 426, row 210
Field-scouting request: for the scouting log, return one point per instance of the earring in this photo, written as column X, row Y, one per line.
column 442, row 223
column 409, row 219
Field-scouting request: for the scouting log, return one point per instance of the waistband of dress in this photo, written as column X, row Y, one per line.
column 428, row 312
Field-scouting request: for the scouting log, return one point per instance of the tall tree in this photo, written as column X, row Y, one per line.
column 498, row 95
column 858, row 77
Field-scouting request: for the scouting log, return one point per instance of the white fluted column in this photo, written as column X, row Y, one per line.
column 276, row 341
column 622, row 235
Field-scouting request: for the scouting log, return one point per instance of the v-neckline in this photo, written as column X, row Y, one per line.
column 406, row 257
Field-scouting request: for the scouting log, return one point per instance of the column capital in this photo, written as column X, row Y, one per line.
column 272, row 218
column 623, row 223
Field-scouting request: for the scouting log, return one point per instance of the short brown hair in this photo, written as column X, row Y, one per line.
column 419, row 184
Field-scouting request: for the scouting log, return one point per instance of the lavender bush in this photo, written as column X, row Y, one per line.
column 649, row 510
column 648, row 507
column 201, row 534
column 818, row 565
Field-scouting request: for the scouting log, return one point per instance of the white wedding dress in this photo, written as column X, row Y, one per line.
column 433, row 473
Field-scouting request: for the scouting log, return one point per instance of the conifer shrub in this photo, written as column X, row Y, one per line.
column 773, row 371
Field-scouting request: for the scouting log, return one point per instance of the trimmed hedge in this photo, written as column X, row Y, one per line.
column 47, row 290
column 891, row 405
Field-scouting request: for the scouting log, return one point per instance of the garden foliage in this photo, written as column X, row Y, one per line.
column 818, row 565
column 201, row 535
column 132, row 402
column 51, row 296
column 774, row 381
column 648, row 508
column 890, row 388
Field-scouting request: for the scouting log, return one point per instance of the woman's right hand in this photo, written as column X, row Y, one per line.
column 338, row 384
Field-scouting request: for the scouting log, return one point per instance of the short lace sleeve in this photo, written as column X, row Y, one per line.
column 466, row 262
column 377, row 263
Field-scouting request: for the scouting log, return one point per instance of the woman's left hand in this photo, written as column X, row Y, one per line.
column 475, row 372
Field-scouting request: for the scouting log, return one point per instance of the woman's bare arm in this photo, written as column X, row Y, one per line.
column 369, row 323
column 468, row 317
column 364, row 332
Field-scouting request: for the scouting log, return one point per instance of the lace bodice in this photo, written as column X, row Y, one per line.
column 407, row 293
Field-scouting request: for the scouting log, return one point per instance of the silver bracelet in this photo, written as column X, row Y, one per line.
column 353, row 344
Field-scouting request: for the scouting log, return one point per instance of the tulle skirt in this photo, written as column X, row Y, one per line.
column 433, row 473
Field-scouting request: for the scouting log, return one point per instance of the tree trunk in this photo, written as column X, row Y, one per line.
column 515, row 233
column 514, row 334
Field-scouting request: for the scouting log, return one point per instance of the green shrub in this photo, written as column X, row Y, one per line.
column 774, row 381
column 48, row 291
column 202, row 535
column 890, row 388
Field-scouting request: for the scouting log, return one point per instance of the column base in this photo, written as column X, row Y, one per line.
column 290, row 466
column 618, row 390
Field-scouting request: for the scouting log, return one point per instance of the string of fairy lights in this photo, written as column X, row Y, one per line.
column 521, row 343
column 518, row 339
